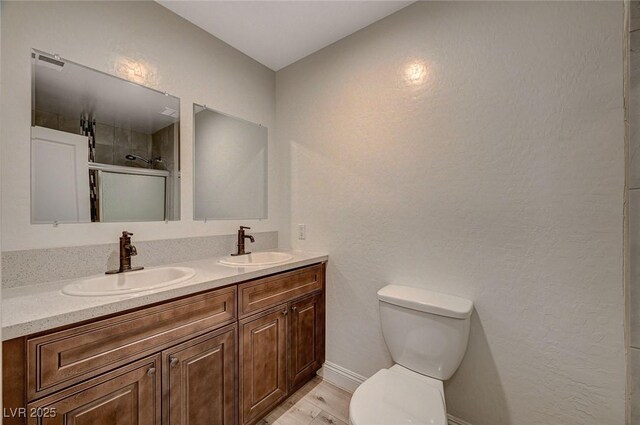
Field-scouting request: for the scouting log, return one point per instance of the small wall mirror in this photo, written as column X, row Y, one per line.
column 230, row 167
column 102, row 148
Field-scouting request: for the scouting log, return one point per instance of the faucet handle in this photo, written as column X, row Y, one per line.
column 126, row 234
column 245, row 227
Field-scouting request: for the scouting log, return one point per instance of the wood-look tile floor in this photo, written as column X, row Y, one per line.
column 317, row 403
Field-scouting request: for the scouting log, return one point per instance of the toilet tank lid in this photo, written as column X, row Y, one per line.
column 426, row 301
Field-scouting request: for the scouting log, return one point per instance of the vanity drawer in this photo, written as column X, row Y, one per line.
column 60, row 359
column 264, row 293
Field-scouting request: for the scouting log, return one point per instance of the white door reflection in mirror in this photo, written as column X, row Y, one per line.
column 230, row 161
column 59, row 177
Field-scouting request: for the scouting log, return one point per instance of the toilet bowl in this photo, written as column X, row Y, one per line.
column 398, row 396
column 427, row 334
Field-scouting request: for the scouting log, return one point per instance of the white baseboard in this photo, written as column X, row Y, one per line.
column 341, row 377
column 349, row 381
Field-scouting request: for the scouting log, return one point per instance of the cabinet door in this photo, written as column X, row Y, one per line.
column 263, row 363
column 127, row 396
column 199, row 380
column 307, row 339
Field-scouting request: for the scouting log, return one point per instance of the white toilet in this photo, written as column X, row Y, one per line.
column 427, row 334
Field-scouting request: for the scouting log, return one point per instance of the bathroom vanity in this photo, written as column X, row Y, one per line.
column 226, row 355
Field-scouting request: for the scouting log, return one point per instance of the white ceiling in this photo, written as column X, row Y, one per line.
column 278, row 33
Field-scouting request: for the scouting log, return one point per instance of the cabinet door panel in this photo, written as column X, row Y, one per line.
column 307, row 339
column 199, row 380
column 127, row 396
column 263, row 362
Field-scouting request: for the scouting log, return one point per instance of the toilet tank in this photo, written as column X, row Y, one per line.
column 425, row 331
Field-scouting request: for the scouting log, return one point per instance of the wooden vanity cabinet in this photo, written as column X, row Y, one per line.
column 281, row 348
column 199, row 380
column 222, row 357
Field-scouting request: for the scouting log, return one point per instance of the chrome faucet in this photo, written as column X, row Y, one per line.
column 127, row 250
column 241, row 238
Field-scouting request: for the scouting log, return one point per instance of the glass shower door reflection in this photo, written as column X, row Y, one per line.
column 131, row 197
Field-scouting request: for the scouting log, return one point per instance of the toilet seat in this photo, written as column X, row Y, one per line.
column 398, row 396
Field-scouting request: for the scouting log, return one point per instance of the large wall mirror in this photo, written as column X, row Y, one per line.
column 102, row 148
column 230, row 167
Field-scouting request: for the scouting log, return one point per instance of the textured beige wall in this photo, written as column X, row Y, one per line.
column 497, row 176
column 180, row 59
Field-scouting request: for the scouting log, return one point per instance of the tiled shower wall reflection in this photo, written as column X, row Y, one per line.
column 114, row 143
column 634, row 207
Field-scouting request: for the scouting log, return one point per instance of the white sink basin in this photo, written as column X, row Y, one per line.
column 256, row 259
column 129, row 283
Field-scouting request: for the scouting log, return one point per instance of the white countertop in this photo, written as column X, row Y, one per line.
column 36, row 308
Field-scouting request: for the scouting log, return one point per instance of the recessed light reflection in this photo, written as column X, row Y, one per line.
column 416, row 72
column 137, row 71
